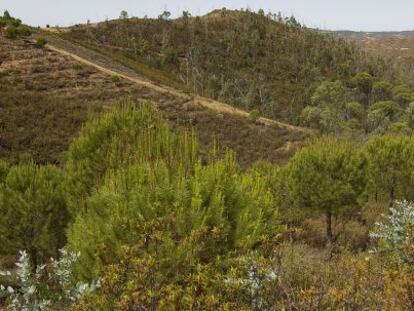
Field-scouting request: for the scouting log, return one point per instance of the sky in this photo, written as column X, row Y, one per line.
column 358, row 15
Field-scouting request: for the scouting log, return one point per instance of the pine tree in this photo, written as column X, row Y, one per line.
column 327, row 177
column 33, row 212
column 122, row 136
column 198, row 211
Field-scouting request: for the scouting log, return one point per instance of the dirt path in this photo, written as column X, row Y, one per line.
column 111, row 67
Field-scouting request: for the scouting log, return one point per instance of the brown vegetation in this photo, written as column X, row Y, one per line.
column 47, row 96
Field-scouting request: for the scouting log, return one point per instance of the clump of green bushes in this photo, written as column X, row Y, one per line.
column 13, row 27
column 41, row 42
column 161, row 229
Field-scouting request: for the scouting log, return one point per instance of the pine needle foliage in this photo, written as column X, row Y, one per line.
column 124, row 135
column 327, row 176
column 33, row 211
column 206, row 210
column 209, row 211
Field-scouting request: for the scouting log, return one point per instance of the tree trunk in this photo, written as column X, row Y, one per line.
column 329, row 234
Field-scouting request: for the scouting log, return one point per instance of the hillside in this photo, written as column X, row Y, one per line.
column 246, row 59
column 47, row 96
column 148, row 164
column 395, row 46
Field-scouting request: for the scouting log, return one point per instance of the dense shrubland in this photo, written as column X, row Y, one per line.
column 160, row 229
column 264, row 62
column 362, row 106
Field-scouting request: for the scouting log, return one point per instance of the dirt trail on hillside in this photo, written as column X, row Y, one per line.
column 111, row 67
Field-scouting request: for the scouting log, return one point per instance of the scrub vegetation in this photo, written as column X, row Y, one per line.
column 122, row 189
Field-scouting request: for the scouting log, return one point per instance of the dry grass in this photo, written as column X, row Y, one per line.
column 47, row 96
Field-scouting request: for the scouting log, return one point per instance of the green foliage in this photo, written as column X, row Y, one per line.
column 4, row 170
column 329, row 94
column 311, row 116
column 328, row 177
column 255, row 114
column 115, row 79
column 40, row 42
column 7, row 15
column 399, row 128
column 354, row 110
column 11, row 32
column 120, row 137
column 382, row 90
column 364, row 82
column 237, row 210
column 123, row 15
column 402, row 94
column 258, row 61
column 205, row 210
column 33, row 211
column 24, row 30
column 389, row 108
column 378, row 122
column 389, row 167
column 410, row 115
column 142, row 279
column 16, row 22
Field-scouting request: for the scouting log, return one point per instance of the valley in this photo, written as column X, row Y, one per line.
column 235, row 160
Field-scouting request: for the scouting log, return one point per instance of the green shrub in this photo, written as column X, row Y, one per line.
column 122, row 136
column 390, row 167
column 4, row 170
column 6, row 15
column 11, row 32
column 3, row 22
column 33, row 211
column 364, row 82
column 40, row 42
column 77, row 66
column 115, row 79
column 203, row 211
column 16, row 22
column 390, row 109
column 255, row 114
column 208, row 211
column 24, row 30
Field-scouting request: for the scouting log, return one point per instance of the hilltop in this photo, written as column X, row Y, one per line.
column 246, row 59
column 267, row 64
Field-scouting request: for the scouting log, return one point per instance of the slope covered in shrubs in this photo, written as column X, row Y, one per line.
column 251, row 60
column 162, row 229
column 46, row 97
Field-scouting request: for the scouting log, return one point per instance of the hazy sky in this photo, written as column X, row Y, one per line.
column 368, row 15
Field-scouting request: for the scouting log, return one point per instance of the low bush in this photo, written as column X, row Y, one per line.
column 115, row 79
column 45, row 287
column 255, row 114
column 11, row 32
column 41, row 42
